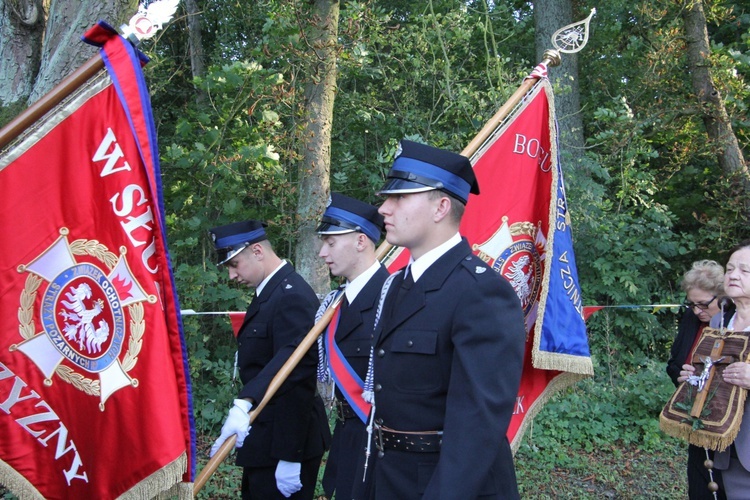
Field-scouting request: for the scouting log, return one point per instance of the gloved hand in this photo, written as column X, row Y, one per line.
column 287, row 477
column 237, row 422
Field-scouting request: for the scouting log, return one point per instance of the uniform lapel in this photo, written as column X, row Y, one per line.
column 268, row 290
column 394, row 314
column 366, row 300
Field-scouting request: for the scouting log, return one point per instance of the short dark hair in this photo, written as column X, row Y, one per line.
column 458, row 207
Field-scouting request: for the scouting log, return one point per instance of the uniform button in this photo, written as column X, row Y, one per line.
column 381, row 353
column 409, row 344
column 357, row 349
column 378, row 387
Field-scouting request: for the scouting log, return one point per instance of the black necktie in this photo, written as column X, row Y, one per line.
column 406, row 284
column 344, row 303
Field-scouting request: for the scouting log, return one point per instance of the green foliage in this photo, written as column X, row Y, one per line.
column 219, row 167
column 647, row 200
column 597, row 413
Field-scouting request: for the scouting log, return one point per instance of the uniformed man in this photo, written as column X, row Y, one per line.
column 282, row 452
column 448, row 346
column 349, row 231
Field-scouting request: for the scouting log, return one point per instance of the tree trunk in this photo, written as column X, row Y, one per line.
column 62, row 50
column 549, row 16
column 21, row 30
column 713, row 112
column 195, row 39
column 314, row 170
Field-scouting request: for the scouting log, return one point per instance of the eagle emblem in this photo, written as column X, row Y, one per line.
column 78, row 327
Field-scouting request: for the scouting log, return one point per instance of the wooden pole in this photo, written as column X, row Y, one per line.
column 51, row 99
column 278, row 380
column 551, row 58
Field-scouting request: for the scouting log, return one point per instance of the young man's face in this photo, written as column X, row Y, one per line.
column 245, row 268
column 408, row 218
column 339, row 251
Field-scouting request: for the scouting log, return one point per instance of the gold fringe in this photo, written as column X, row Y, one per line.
column 545, row 360
column 181, row 491
column 703, row 437
column 53, row 117
column 557, row 384
column 580, row 365
column 17, row 484
column 160, row 482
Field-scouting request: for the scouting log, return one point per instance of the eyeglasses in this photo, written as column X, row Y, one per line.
column 700, row 305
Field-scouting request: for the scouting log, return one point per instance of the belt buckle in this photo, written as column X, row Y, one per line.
column 379, row 444
column 339, row 411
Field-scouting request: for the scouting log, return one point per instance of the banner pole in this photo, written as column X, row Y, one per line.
column 551, row 58
column 51, row 99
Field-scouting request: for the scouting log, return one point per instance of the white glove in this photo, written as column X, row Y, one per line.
column 287, row 477
column 237, row 422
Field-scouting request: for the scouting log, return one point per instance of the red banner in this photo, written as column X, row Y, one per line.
column 94, row 385
column 519, row 225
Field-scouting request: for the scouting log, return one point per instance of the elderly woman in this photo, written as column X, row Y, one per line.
column 734, row 462
column 703, row 285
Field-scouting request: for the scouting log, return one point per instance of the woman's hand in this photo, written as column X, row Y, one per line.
column 687, row 370
column 737, row 374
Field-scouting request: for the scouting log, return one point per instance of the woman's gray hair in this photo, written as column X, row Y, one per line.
column 708, row 275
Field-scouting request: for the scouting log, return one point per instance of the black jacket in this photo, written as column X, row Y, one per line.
column 293, row 426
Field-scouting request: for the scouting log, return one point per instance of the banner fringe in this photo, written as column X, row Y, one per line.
column 181, row 491
column 164, row 483
column 703, row 437
column 557, row 384
column 540, row 359
column 17, row 484
column 580, row 365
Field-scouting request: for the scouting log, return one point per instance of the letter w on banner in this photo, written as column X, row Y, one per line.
column 520, row 226
column 94, row 385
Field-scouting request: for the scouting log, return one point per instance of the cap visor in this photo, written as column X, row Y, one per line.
column 393, row 186
column 326, row 228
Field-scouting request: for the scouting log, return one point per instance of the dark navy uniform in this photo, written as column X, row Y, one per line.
column 292, row 428
column 448, row 352
column 344, row 471
column 448, row 358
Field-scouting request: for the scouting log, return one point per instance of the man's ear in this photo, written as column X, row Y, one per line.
column 361, row 241
column 442, row 208
column 257, row 250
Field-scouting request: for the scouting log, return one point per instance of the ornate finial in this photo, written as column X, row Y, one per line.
column 573, row 37
column 149, row 19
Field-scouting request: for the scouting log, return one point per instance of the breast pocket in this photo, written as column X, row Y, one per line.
column 255, row 330
column 356, row 348
column 254, row 345
column 416, row 359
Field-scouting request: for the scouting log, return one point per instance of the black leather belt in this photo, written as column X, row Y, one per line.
column 344, row 410
column 417, row 442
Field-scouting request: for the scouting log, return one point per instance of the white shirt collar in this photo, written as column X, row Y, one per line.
column 419, row 266
column 263, row 283
column 353, row 288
